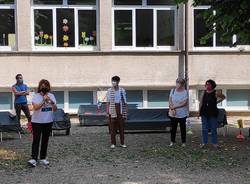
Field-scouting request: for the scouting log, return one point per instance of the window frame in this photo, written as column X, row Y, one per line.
column 214, row 47
column 155, row 8
column 76, row 27
column 10, row 6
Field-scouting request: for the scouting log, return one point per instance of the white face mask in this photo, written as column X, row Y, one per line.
column 114, row 84
column 178, row 85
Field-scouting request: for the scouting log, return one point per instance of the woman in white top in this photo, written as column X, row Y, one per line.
column 178, row 110
column 44, row 105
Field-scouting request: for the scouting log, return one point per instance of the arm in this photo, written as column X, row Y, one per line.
column 52, row 102
column 220, row 97
column 171, row 105
column 107, row 107
column 181, row 104
column 36, row 107
column 18, row 93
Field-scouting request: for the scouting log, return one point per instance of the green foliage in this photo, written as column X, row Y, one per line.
column 232, row 17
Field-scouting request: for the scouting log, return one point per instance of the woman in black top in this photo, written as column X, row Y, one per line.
column 209, row 112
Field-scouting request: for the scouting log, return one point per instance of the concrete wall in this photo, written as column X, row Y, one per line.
column 226, row 69
column 91, row 70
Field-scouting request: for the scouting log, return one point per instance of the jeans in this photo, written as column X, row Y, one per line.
column 209, row 123
column 174, row 124
column 40, row 130
column 24, row 107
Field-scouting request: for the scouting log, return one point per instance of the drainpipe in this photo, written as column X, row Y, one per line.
column 186, row 72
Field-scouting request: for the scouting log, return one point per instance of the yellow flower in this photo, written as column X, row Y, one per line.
column 46, row 36
column 83, row 34
column 65, row 38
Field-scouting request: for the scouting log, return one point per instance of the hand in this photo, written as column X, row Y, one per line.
column 46, row 98
column 171, row 106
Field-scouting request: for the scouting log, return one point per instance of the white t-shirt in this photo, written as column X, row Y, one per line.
column 117, row 95
column 177, row 98
column 44, row 114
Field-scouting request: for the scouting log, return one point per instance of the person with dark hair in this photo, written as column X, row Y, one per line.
column 117, row 110
column 21, row 91
column 209, row 112
column 44, row 104
column 178, row 110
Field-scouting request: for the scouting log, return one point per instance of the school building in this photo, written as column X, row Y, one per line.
column 78, row 45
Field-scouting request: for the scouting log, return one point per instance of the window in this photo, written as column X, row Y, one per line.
column 123, row 28
column 145, row 26
column 6, row 101
column 135, row 97
column 7, row 1
column 238, row 98
column 7, row 26
column 43, row 27
column 201, row 30
column 69, row 25
column 158, row 98
column 165, row 27
column 44, row 2
column 160, row 2
column 59, row 98
column 77, row 98
column 128, row 2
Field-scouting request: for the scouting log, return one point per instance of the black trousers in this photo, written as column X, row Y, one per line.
column 25, row 109
column 116, row 123
column 174, row 124
column 44, row 131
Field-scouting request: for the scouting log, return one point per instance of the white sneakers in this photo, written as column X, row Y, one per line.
column 122, row 145
column 33, row 163
column 172, row 144
column 44, row 162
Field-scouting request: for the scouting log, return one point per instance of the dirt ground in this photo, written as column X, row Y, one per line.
column 85, row 157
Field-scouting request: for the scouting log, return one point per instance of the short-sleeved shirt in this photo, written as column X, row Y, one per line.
column 118, row 94
column 177, row 98
column 44, row 114
column 20, row 99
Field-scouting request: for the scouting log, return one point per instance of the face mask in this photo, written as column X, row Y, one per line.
column 209, row 88
column 19, row 81
column 178, row 85
column 45, row 90
column 114, row 84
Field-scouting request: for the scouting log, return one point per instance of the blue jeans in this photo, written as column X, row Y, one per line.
column 209, row 123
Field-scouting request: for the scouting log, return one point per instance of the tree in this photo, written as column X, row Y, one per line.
column 228, row 17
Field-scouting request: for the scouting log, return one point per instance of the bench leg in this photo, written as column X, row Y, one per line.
column 1, row 136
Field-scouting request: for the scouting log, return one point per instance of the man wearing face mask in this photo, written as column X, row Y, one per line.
column 21, row 91
column 117, row 110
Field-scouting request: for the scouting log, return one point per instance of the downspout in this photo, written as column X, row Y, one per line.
column 186, row 63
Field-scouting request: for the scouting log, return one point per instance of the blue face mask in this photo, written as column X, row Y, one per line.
column 19, row 81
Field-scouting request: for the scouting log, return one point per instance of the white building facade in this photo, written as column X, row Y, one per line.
column 78, row 45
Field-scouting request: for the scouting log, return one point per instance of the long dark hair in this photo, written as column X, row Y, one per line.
column 46, row 83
